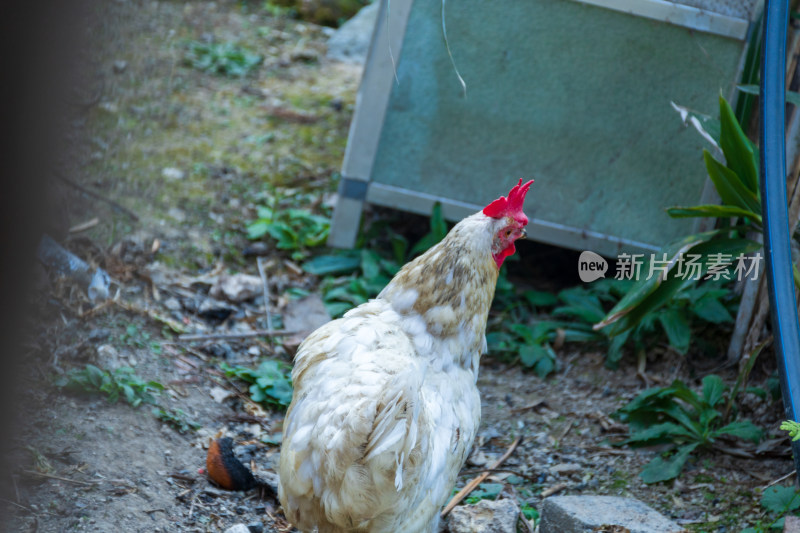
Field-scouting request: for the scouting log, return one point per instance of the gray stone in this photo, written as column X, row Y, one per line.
column 238, row 528
column 791, row 524
column 565, row 469
column 350, row 43
column 305, row 315
column 486, row 516
column 582, row 514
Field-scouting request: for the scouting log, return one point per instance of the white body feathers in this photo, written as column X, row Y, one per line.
column 385, row 406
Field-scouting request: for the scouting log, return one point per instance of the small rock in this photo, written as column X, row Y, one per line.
column 256, row 527
column 577, row 514
column 565, row 469
column 177, row 214
column 219, row 394
column 236, row 287
column 238, row 528
column 172, row 303
column 306, row 314
column 172, row 173
column 351, row 41
column 108, row 357
column 791, row 524
column 486, row 516
column 214, row 310
column 99, row 334
column 119, row 66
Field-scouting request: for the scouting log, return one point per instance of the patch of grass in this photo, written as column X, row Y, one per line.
column 136, row 338
column 295, row 230
column 678, row 416
column 177, row 419
column 122, row 382
column 271, row 384
column 225, row 59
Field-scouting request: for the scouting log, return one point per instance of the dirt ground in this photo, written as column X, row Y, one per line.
column 179, row 161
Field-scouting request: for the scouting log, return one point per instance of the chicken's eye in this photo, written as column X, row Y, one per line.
column 508, row 233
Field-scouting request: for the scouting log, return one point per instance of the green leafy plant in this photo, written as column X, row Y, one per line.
column 341, row 294
column 485, row 491
column 793, row 428
column 575, row 310
column 271, row 384
column 122, row 382
column 292, row 229
column 226, row 59
column 529, row 512
column 176, row 418
column 737, row 185
column 136, row 338
column 777, row 501
column 677, row 416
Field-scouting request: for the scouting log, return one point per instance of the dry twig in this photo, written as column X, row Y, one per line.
column 552, row 490
column 98, row 196
column 226, row 336
column 790, row 474
column 59, row 478
column 469, row 487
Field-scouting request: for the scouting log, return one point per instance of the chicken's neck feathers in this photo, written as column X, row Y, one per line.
column 443, row 296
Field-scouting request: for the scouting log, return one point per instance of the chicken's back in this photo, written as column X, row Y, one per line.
column 374, row 437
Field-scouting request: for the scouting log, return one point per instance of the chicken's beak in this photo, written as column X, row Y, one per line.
column 524, row 234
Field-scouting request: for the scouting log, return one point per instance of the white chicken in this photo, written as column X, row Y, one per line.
column 385, row 405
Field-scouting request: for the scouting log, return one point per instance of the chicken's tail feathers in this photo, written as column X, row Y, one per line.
column 224, row 469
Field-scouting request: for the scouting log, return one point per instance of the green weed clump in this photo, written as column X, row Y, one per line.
column 121, row 383
column 777, row 502
column 270, row 383
column 224, row 59
column 676, row 415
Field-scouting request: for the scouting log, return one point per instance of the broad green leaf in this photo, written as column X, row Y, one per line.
column 531, row 354
column 660, row 469
column 711, row 310
column 713, row 389
column 528, row 334
column 257, row 229
column 581, row 304
column 614, row 353
column 729, row 186
column 657, row 432
column 678, row 413
column 744, row 429
column 332, row 264
column 711, row 210
column 399, row 247
column 645, row 286
column 547, row 364
column 792, row 97
column 778, row 499
column 370, row 264
column 677, row 329
column 738, row 149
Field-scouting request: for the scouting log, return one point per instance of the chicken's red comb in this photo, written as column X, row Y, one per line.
column 510, row 206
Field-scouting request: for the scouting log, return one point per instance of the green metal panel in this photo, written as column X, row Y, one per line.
column 575, row 96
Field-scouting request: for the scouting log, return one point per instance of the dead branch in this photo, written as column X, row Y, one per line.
column 469, row 487
column 227, row 336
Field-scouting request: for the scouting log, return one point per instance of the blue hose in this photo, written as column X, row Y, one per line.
column 777, row 233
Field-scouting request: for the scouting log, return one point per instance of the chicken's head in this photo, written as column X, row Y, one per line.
column 510, row 221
